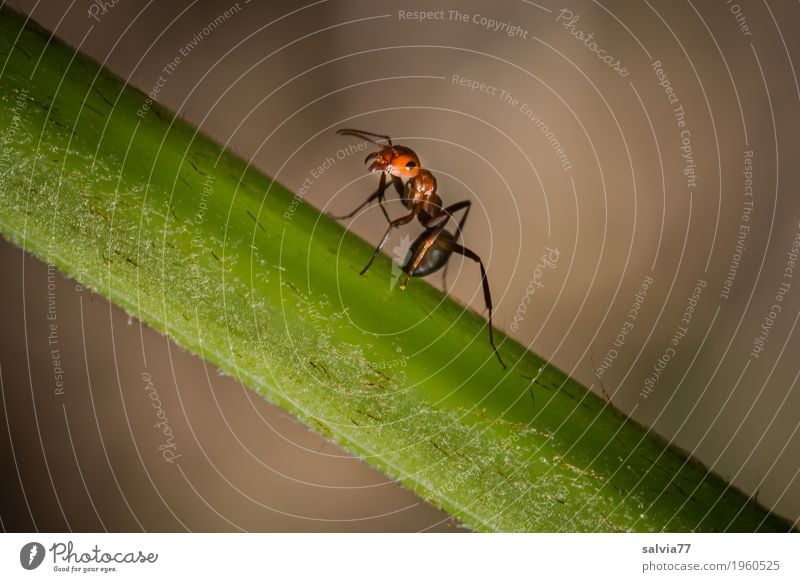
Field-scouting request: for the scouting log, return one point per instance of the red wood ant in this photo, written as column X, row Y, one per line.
column 435, row 245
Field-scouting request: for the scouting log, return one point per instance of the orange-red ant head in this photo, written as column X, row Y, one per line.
column 396, row 160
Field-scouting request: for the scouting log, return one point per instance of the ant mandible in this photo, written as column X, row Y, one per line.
column 435, row 245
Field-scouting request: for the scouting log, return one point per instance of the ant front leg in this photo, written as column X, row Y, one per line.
column 392, row 224
column 464, row 205
column 382, row 186
column 399, row 187
column 487, row 295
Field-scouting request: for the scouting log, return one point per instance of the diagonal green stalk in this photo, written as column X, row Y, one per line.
column 184, row 235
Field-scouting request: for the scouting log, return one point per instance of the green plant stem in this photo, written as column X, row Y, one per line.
column 184, row 235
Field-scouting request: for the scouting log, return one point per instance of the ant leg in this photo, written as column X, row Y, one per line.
column 487, row 295
column 465, row 205
column 399, row 186
column 377, row 194
column 392, row 224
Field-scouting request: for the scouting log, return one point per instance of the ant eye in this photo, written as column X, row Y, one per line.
column 411, row 165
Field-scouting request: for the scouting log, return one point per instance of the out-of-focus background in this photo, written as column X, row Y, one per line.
column 652, row 145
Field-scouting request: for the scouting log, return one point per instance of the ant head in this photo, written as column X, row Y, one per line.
column 396, row 160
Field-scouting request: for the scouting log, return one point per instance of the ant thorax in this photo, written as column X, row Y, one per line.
column 421, row 191
column 421, row 187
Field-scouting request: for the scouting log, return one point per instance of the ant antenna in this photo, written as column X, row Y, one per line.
column 365, row 135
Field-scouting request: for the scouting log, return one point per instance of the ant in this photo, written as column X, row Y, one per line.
column 435, row 245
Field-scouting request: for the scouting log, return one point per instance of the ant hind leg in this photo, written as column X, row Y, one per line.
column 464, row 205
column 487, row 295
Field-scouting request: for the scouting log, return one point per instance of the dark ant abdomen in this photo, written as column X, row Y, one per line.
column 434, row 259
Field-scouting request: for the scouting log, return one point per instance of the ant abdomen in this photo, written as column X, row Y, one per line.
column 436, row 257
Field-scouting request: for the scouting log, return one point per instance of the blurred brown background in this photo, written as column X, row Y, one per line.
column 557, row 150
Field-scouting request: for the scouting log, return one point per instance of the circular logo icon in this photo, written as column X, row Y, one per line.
column 31, row 555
